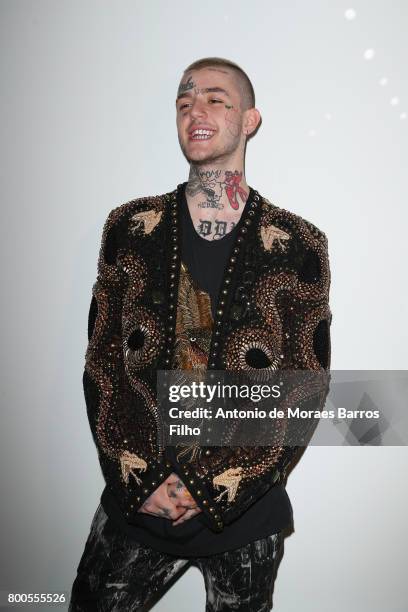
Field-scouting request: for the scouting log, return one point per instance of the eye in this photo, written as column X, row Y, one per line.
column 183, row 106
column 213, row 100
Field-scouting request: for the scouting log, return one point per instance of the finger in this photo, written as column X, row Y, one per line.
column 150, row 512
column 162, row 510
column 187, row 495
column 172, row 479
column 188, row 515
column 171, row 512
column 167, row 513
column 175, row 491
column 150, row 508
column 172, row 493
column 188, row 504
column 186, row 500
column 180, row 485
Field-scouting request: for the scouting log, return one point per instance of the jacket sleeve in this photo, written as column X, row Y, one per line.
column 130, row 473
column 226, row 481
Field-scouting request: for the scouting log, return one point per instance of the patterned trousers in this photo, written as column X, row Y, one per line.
column 117, row 574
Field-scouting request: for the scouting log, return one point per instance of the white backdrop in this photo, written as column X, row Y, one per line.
column 88, row 122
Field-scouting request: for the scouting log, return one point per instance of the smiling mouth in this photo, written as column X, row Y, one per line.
column 201, row 134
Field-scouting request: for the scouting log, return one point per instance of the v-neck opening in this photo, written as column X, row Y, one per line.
column 196, row 287
column 229, row 237
column 246, row 231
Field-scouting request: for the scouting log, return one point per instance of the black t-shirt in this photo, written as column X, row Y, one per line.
column 206, row 261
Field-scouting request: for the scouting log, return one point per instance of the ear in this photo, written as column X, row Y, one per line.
column 252, row 118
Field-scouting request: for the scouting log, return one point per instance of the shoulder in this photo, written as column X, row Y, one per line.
column 292, row 222
column 126, row 219
column 124, row 212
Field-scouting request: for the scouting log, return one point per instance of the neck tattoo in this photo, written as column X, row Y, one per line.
column 215, row 190
column 213, row 184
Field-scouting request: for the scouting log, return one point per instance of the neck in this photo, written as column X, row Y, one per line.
column 216, row 197
column 214, row 187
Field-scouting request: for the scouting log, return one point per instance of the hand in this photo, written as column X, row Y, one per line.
column 181, row 496
column 160, row 504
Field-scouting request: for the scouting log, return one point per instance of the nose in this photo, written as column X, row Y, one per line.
column 197, row 108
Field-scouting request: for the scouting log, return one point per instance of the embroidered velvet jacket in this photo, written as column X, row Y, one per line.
column 272, row 314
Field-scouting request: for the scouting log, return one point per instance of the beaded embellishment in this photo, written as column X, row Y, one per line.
column 148, row 219
column 230, row 480
column 270, row 233
column 128, row 463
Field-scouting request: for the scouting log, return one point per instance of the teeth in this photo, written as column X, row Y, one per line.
column 202, row 133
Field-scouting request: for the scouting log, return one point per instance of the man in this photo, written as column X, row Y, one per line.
column 208, row 277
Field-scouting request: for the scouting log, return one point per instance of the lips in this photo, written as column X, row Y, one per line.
column 201, row 134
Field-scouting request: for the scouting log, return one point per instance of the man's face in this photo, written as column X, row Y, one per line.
column 208, row 99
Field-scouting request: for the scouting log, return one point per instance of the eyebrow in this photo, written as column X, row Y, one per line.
column 187, row 94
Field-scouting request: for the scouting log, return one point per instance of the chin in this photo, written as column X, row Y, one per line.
column 194, row 157
column 197, row 158
column 202, row 157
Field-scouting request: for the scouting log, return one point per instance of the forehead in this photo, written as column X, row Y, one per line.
column 208, row 78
